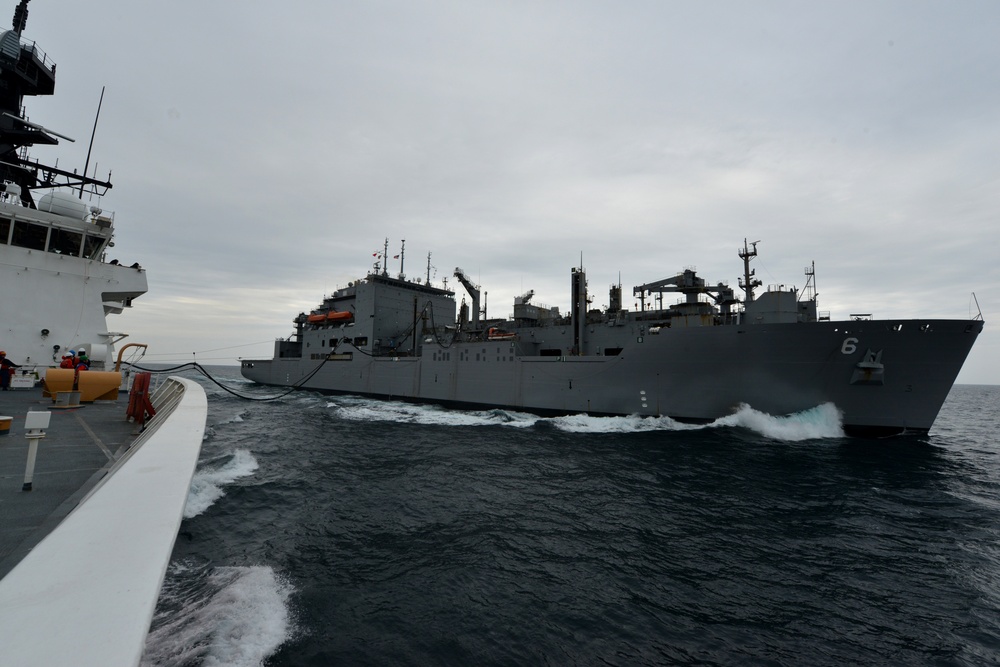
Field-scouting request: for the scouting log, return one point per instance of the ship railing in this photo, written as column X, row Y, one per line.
column 40, row 55
column 700, row 298
column 101, row 218
column 184, row 397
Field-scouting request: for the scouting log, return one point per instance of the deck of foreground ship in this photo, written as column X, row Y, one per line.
column 86, row 550
column 80, row 446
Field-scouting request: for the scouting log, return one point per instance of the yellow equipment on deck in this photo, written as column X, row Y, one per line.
column 92, row 385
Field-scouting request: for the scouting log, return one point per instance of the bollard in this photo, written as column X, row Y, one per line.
column 35, row 424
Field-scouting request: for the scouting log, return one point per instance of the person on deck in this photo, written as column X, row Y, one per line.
column 80, row 363
column 6, row 369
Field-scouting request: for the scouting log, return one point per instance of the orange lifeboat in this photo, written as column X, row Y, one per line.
column 332, row 316
column 494, row 333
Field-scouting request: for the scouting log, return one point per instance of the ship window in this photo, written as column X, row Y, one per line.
column 4, row 230
column 64, row 242
column 361, row 341
column 27, row 235
column 92, row 246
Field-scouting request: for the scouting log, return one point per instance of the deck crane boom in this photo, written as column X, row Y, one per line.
column 473, row 290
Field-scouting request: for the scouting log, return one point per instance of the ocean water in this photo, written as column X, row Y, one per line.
column 345, row 531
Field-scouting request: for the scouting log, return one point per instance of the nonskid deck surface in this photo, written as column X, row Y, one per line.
column 79, row 446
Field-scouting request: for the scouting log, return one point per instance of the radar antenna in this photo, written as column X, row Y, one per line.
column 20, row 16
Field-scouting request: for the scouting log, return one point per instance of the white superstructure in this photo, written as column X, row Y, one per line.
column 58, row 281
column 60, row 284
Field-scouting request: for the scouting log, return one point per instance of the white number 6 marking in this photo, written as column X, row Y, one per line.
column 850, row 346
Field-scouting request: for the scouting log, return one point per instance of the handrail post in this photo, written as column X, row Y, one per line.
column 35, row 424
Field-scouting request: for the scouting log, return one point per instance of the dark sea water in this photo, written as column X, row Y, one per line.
column 346, row 531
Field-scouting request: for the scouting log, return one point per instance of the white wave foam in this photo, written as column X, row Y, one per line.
column 238, row 617
column 364, row 410
column 235, row 419
column 630, row 424
column 823, row 421
column 206, row 485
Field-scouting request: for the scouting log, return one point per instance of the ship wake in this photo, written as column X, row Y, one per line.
column 822, row 421
column 208, row 483
column 363, row 409
column 220, row 616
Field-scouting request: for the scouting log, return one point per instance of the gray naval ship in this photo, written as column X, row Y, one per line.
column 695, row 361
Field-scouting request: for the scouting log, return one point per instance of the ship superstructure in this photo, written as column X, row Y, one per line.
column 60, row 284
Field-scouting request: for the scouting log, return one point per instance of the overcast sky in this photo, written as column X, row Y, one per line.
column 262, row 151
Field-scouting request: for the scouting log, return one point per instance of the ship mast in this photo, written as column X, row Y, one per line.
column 748, row 282
column 26, row 71
column 20, row 16
column 809, row 292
